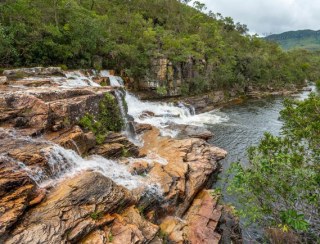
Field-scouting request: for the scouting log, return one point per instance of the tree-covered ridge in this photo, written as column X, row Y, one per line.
column 128, row 35
column 302, row 39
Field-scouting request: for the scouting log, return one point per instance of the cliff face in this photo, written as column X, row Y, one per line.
column 172, row 78
column 50, row 194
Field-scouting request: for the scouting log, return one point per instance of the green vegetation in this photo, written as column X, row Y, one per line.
column 280, row 187
column 96, row 215
column 108, row 119
column 302, row 39
column 128, row 35
column 163, row 236
column 161, row 90
column 110, row 237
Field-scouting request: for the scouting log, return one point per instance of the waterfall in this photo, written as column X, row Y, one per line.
column 75, row 79
column 161, row 115
column 129, row 129
column 65, row 163
column 114, row 80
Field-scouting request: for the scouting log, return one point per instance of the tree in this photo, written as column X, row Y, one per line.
column 199, row 6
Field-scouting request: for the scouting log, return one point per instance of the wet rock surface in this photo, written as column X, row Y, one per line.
column 42, row 202
column 191, row 131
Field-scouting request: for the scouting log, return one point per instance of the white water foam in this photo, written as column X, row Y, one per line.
column 116, row 81
column 66, row 163
column 166, row 113
column 35, row 173
column 74, row 79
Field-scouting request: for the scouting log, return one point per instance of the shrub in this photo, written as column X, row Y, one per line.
column 108, row 119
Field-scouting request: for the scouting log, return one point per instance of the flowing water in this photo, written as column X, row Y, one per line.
column 246, row 125
column 161, row 115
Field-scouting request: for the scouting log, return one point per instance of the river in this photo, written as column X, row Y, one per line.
column 235, row 127
column 245, row 127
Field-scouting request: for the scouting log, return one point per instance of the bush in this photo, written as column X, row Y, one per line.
column 108, row 119
column 161, row 90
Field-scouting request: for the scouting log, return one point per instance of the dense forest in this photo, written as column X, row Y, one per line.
column 128, row 35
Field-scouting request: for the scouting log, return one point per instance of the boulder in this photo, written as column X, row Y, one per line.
column 116, row 145
column 229, row 227
column 3, row 80
column 109, row 150
column 140, row 167
column 191, row 131
column 146, row 114
column 140, row 128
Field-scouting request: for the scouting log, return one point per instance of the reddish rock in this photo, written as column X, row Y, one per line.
column 198, row 224
column 72, row 210
column 191, row 162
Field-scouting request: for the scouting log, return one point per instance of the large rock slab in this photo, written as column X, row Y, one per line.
column 191, row 163
column 129, row 227
column 17, row 192
column 199, row 223
column 36, row 110
column 72, row 210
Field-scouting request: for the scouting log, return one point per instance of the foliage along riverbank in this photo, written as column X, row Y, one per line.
column 194, row 52
column 280, row 187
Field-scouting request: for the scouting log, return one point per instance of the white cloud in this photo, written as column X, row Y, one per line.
column 270, row 16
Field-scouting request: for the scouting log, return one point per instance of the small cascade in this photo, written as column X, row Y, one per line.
column 114, row 80
column 161, row 115
column 35, row 173
column 65, row 163
column 75, row 79
column 129, row 129
column 120, row 94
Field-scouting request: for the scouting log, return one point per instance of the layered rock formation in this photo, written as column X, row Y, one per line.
column 46, row 196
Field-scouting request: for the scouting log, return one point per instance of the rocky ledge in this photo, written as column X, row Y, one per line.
column 61, row 183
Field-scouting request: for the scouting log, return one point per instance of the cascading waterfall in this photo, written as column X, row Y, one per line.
column 129, row 129
column 75, row 79
column 35, row 173
column 63, row 163
column 66, row 163
column 114, row 80
column 161, row 115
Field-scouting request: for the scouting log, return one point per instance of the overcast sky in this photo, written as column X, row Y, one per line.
column 270, row 16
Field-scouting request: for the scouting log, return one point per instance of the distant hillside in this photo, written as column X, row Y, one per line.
column 164, row 44
column 303, row 39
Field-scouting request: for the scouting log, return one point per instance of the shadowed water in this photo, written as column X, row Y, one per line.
column 246, row 125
